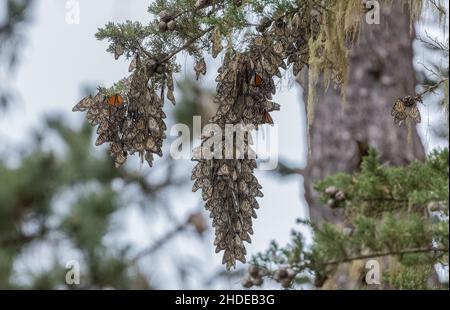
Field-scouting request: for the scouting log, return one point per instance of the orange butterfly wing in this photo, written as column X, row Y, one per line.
column 267, row 118
column 115, row 101
column 119, row 100
column 258, row 80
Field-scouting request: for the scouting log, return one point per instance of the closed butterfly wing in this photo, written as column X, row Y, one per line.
column 120, row 159
column 414, row 113
column 200, row 67
column 399, row 117
column 216, row 39
column 267, row 65
column 171, row 96
column 139, row 146
column 399, row 106
column 133, row 64
column 84, row 104
column 102, row 138
column 116, row 148
column 267, row 118
column 93, row 116
column 149, row 158
column 278, row 48
column 118, row 51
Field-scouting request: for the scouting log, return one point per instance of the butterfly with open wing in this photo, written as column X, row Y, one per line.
column 115, row 100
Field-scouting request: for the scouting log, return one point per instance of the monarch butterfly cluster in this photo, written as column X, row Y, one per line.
column 245, row 86
column 258, row 82
column 244, row 92
column 131, row 121
column 406, row 108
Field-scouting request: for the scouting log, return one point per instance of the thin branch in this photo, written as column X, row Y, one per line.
column 178, row 50
column 385, row 199
column 188, row 42
column 387, row 253
column 438, row 7
column 22, row 239
column 301, row 268
column 159, row 243
column 431, row 88
column 186, row 45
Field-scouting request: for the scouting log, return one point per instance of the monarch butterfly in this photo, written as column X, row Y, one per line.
column 258, row 80
column 118, row 51
column 267, row 118
column 400, row 117
column 404, row 108
column 115, row 100
column 84, row 104
column 414, row 113
column 398, row 107
column 133, row 64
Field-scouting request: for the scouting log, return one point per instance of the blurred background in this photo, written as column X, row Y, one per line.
column 61, row 199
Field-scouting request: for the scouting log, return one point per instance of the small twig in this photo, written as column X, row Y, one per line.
column 300, row 268
column 186, row 45
column 178, row 50
column 159, row 243
column 188, row 42
column 438, row 7
column 382, row 254
column 385, row 199
column 431, row 88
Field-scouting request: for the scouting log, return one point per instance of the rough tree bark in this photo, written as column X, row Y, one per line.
column 381, row 71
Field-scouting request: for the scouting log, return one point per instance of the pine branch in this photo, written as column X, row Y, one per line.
column 189, row 42
column 195, row 220
column 186, row 45
column 272, row 274
column 22, row 239
column 387, row 253
column 159, row 243
column 431, row 88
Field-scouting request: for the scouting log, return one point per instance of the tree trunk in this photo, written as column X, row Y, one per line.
column 381, row 71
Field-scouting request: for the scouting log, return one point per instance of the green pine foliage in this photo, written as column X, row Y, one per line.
column 397, row 215
column 62, row 202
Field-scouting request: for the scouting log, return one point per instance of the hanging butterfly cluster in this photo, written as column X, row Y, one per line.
column 132, row 121
column 286, row 38
column 228, row 185
column 406, row 108
column 244, row 92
